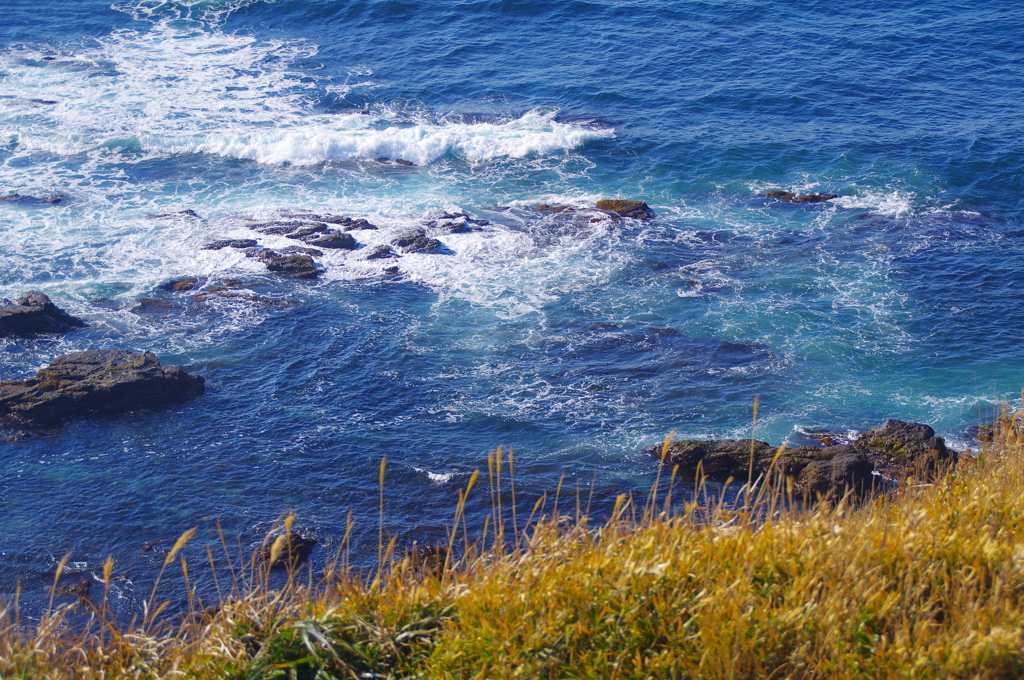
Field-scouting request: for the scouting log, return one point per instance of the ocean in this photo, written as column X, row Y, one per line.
column 570, row 338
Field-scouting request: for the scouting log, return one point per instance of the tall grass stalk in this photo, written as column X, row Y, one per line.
column 927, row 582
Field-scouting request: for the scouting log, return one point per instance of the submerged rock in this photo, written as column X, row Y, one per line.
column 189, row 212
column 95, row 382
column 52, row 199
column 35, row 313
column 892, row 448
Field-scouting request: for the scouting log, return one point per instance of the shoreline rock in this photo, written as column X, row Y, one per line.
column 891, row 448
column 95, row 382
column 33, row 314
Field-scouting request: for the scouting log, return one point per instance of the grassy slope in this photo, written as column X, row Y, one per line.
column 928, row 582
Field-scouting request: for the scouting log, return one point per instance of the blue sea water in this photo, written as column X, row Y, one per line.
column 576, row 343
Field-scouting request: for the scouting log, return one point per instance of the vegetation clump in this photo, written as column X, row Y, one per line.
column 925, row 582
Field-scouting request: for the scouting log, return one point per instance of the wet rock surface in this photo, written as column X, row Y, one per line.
column 33, row 314
column 416, row 241
column 49, row 199
column 792, row 197
column 293, row 266
column 891, row 449
column 615, row 209
column 295, row 550
column 95, row 382
column 637, row 210
column 240, row 243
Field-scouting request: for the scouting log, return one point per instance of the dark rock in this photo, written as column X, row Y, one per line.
column 299, row 250
column 892, row 448
column 278, row 227
column 895, row 445
column 804, row 198
column 52, row 199
column 187, row 213
column 330, row 238
column 391, row 271
column 374, row 253
column 151, row 304
column 262, row 254
column 725, row 458
column 294, row 266
column 233, row 243
column 986, row 434
column 308, row 229
column 95, row 382
column 187, row 283
column 637, row 210
column 846, row 468
column 428, row 558
column 544, row 207
column 353, row 225
column 398, row 161
column 348, row 223
column 814, row 198
column 296, row 549
column 78, row 588
column 416, row 242
column 34, row 313
column 452, row 227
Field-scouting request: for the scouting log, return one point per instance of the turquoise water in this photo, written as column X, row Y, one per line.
column 576, row 343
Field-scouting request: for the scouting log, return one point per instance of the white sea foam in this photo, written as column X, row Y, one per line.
column 436, row 477
column 345, row 137
column 891, row 203
column 184, row 90
column 140, row 99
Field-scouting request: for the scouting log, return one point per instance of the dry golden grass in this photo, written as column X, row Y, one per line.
column 927, row 582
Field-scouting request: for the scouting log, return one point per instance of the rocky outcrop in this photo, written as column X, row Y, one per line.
column 296, row 549
column 380, row 252
column 182, row 284
column 94, row 382
column 613, row 208
column 891, row 449
column 292, row 266
column 792, row 197
column 35, row 313
column 416, row 241
column 895, row 445
column 240, row 243
column 637, row 210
